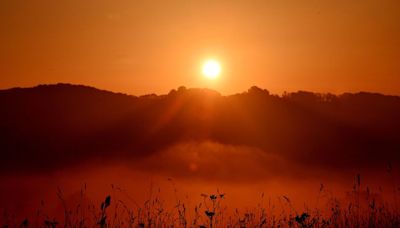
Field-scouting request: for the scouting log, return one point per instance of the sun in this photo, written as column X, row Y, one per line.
column 211, row 69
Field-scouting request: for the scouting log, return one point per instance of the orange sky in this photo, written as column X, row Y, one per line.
column 141, row 47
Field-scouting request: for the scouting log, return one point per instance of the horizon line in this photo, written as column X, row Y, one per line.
column 200, row 88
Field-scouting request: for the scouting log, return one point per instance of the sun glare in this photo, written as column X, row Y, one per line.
column 211, row 69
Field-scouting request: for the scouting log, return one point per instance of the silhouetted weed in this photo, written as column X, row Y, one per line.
column 363, row 208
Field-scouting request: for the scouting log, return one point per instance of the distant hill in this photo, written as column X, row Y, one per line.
column 50, row 126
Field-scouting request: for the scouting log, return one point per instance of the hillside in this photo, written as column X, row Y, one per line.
column 51, row 126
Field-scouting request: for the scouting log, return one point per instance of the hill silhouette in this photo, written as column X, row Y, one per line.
column 55, row 126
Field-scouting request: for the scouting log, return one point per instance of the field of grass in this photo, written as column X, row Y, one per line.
column 361, row 208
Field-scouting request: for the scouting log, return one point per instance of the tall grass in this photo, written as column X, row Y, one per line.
column 362, row 209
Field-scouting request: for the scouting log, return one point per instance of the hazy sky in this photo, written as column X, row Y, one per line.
column 141, row 47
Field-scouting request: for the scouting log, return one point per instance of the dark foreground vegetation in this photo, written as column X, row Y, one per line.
column 361, row 208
